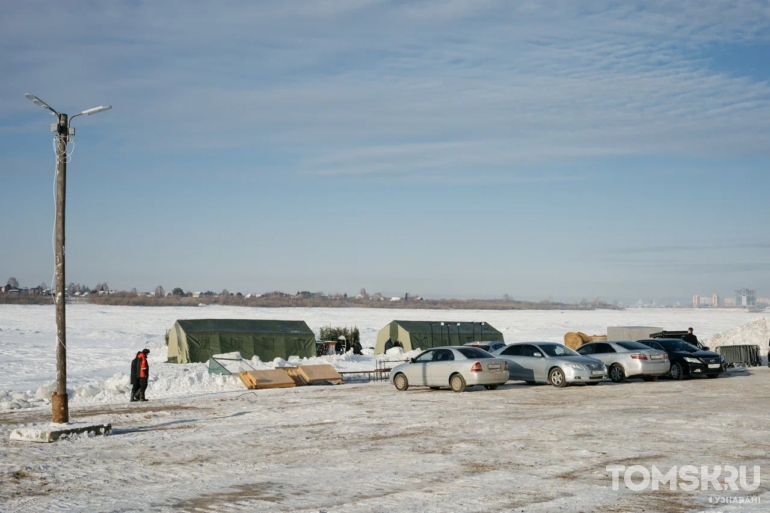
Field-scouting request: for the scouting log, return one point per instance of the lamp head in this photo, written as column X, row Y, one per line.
column 96, row 110
column 40, row 103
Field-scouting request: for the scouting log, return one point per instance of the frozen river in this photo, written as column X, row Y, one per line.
column 102, row 340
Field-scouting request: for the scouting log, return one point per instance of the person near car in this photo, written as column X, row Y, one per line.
column 690, row 338
column 140, row 373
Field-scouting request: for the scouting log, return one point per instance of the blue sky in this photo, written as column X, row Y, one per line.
column 446, row 148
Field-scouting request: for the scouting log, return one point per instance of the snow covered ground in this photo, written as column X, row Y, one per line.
column 368, row 448
column 204, row 444
column 102, row 340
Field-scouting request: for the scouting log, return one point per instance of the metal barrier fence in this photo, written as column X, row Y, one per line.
column 381, row 372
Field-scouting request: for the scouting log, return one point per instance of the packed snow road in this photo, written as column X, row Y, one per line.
column 371, row 448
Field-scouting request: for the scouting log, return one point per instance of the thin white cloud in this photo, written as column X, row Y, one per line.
column 408, row 89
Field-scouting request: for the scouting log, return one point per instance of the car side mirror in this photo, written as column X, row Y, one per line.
column 412, row 360
column 538, row 355
column 705, row 348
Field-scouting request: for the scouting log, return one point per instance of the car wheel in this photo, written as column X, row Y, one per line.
column 593, row 383
column 401, row 382
column 435, row 388
column 494, row 387
column 712, row 376
column 617, row 374
column 649, row 378
column 676, row 372
column 457, row 382
column 557, row 378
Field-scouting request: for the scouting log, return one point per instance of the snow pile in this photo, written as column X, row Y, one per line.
column 15, row 401
column 166, row 380
column 756, row 332
column 179, row 380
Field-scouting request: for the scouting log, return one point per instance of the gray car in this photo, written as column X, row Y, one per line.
column 626, row 359
column 550, row 362
column 454, row 367
column 489, row 347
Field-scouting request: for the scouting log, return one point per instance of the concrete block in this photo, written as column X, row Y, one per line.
column 46, row 433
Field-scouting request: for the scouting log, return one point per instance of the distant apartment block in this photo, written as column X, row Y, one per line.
column 746, row 297
column 729, row 301
column 705, row 301
column 763, row 300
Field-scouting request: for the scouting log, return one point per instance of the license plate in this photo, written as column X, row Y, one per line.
column 714, row 366
column 656, row 357
column 597, row 373
column 495, row 367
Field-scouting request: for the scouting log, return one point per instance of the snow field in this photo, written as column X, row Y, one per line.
column 102, row 341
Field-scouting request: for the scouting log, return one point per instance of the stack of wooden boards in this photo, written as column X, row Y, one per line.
column 288, row 377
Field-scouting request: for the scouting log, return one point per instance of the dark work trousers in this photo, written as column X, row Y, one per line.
column 142, row 388
column 134, row 390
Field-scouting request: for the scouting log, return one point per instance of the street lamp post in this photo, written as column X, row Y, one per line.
column 459, row 342
column 59, row 400
column 481, row 336
column 441, row 333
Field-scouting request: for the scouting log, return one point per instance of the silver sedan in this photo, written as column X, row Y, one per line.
column 550, row 362
column 626, row 359
column 455, row 367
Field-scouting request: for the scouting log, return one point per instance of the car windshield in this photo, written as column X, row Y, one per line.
column 557, row 350
column 473, row 353
column 632, row 345
column 677, row 345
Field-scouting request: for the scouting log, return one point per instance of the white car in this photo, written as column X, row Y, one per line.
column 456, row 367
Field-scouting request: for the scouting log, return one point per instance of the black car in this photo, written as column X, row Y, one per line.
column 687, row 360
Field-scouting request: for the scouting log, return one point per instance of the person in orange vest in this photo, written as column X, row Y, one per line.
column 140, row 372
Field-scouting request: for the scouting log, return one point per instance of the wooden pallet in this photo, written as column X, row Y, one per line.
column 318, row 373
column 257, row 380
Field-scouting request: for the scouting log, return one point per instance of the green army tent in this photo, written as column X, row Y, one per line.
column 424, row 335
column 197, row 340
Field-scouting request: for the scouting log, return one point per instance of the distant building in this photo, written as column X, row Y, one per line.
column 197, row 294
column 763, row 300
column 746, row 297
column 705, row 301
column 395, row 299
column 729, row 301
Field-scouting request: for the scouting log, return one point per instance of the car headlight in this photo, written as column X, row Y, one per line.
column 574, row 365
column 691, row 360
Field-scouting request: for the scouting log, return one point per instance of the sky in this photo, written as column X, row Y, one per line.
column 541, row 149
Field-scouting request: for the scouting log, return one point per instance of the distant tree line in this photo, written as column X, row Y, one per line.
column 101, row 294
